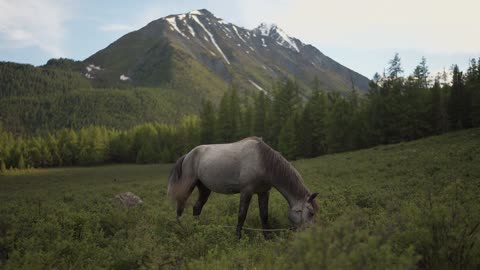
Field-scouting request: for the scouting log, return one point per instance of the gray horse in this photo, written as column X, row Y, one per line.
column 247, row 167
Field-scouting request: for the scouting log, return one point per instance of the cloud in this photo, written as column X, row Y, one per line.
column 32, row 23
column 116, row 27
column 435, row 26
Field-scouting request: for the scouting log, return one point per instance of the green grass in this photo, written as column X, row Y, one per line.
column 402, row 206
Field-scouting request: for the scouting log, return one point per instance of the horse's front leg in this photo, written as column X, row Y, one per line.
column 242, row 211
column 263, row 207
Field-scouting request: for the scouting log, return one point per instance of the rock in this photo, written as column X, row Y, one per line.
column 128, row 199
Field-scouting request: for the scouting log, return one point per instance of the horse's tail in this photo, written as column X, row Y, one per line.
column 174, row 181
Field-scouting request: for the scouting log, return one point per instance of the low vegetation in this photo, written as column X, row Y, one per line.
column 403, row 206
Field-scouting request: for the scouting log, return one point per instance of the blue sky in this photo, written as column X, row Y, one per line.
column 362, row 35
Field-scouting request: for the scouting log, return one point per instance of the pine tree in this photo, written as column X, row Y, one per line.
column 287, row 139
column 438, row 115
column 472, row 100
column 285, row 103
column 21, row 163
column 421, row 74
column 166, row 156
column 313, row 125
column 457, row 96
column 306, row 140
column 395, row 69
column 234, row 112
column 339, row 122
column 224, row 124
column 228, row 120
column 260, row 115
column 3, row 167
column 246, row 127
column 207, row 123
column 190, row 129
column 146, row 154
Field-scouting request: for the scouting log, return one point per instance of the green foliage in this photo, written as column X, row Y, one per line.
column 21, row 163
column 395, row 109
column 228, row 120
column 207, row 123
column 410, row 205
column 148, row 143
column 316, row 108
column 285, row 103
column 3, row 167
column 262, row 107
column 27, row 80
column 287, row 139
column 339, row 136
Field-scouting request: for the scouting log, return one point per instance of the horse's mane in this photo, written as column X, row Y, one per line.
column 282, row 173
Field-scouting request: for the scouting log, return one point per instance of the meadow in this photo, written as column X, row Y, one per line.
column 412, row 205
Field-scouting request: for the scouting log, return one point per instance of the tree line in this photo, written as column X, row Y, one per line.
column 396, row 108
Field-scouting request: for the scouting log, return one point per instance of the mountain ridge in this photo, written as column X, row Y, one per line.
column 253, row 59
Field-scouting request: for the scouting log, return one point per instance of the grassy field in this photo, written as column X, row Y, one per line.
column 403, row 206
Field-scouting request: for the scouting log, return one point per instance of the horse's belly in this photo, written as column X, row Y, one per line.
column 225, row 188
column 221, row 181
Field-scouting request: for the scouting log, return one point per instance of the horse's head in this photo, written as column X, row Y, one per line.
column 303, row 214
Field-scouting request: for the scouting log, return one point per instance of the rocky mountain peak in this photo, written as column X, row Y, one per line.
column 273, row 31
column 252, row 57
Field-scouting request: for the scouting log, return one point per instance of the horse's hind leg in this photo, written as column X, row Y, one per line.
column 181, row 202
column 263, row 207
column 203, row 194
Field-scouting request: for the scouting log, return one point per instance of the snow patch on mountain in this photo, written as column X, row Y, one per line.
column 195, row 12
column 236, row 31
column 124, row 78
column 257, row 86
column 265, row 28
column 211, row 38
column 285, row 40
column 173, row 23
column 273, row 31
column 91, row 67
column 263, row 42
column 191, row 30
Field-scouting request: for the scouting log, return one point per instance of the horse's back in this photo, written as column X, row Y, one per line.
column 229, row 168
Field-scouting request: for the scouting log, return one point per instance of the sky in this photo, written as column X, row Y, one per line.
column 362, row 35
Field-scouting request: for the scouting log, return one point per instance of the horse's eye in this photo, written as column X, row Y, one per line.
column 310, row 214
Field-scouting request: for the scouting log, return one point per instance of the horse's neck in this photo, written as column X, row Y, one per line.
column 295, row 195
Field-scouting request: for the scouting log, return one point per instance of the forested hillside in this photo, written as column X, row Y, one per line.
column 396, row 109
column 40, row 99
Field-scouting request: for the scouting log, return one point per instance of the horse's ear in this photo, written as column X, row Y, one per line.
column 310, row 199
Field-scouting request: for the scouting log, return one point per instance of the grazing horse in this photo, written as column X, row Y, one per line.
column 247, row 167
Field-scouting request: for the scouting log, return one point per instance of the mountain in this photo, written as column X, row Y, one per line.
column 199, row 50
column 160, row 73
